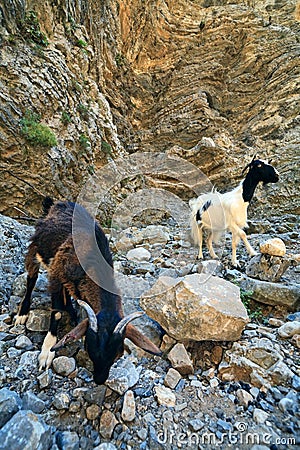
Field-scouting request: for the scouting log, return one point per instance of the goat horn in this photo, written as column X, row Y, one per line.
column 245, row 168
column 125, row 321
column 254, row 157
column 91, row 315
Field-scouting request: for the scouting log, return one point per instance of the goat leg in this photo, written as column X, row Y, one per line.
column 32, row 267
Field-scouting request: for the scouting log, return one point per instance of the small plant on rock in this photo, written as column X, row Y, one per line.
column 106, row 148
column 254, row 312
column 120, row 60
column 84, row 142
column 31, row 29
column 81, row 43
column 83, row 111
column 65, row 118
column 35, row 132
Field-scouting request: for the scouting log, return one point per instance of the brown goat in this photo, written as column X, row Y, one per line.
column 79, row 265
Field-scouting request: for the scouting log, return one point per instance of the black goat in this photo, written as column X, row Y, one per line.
column 79, row 265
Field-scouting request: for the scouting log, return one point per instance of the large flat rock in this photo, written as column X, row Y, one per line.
column 269, row 293
column 196, row 307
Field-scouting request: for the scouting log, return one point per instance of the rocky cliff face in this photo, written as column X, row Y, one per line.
column 120, row 77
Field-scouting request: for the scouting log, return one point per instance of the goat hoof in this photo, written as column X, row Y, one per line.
column 20, row 320
column 236, row 264
column 45, row 360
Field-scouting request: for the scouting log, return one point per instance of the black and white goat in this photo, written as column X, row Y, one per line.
column 217, row 212
column 53, row 245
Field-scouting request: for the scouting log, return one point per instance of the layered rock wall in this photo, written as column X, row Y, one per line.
column 120, row 77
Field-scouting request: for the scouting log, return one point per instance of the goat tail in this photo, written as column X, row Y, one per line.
column 196, row 220
column 47, row 203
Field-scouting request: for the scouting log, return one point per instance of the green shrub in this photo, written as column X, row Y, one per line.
column 91, row 169
column 120, row 60
column 81, row 43
column 83, row 111
column 76, row 86
column 106, row 148
column 65, row 118
column 31, row 30
column 84, row 141
column 35, row 132
column 254, row 312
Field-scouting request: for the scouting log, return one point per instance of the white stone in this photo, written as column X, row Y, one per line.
column 289, row 329
column 128, row 409
column 274, row 247
column 285, row 404
column 172, row 378
column 64, row 365
column 138, row 254
column 156, row 234
column 23, row 342
column 243, row 397
column 106, row 446
column 260, row 416
column 165, row 396
column 214, row 382
column 122, row 376
column 61, row 400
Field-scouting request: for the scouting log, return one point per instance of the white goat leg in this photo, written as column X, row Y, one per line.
column 248, row 246
column 209, row 242
column 46, row 356
column 200, row 240
column 20, row 320
column 234, row 243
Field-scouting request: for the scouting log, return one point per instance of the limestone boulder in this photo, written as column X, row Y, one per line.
column 259, row 362
column 287, row 295
column 156, row 234
column 266, row 267
column 273, row 247
column 196, row 307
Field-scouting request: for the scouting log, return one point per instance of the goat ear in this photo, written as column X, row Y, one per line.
column 73, row 335
column 140, row 340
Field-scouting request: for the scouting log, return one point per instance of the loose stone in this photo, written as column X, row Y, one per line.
column 64, row 365
column 165, row 396
column 244, row 398
column 180, row 360
column 172, row 378
column 128, row 409
column 92, row 412
column 107, row 424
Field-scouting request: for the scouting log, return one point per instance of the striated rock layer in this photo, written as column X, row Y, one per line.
column 214, row 84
